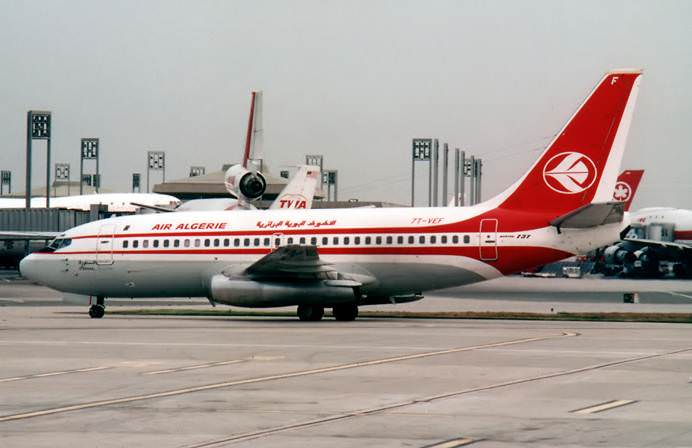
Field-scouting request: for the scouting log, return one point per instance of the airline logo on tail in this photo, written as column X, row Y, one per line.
column 622, row 192
column 626, row 186
column 569, row 173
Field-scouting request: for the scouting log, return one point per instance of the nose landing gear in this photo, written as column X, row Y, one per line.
column 97, row 310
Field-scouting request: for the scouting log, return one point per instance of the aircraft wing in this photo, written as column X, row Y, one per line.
column 290, row 261
column 669, row 245
column 5, row 235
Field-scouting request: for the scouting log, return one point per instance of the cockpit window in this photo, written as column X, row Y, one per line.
column 56, row 244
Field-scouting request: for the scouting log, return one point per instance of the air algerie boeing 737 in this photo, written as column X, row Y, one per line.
column 347, row 258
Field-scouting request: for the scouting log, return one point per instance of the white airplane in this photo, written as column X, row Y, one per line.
column 116, row 202
column 347, row 258
column 657, row 234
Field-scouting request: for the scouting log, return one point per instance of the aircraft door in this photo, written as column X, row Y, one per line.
column 488, row 240
column 104, row 244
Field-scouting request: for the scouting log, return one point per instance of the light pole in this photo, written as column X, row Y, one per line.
column 38, row 127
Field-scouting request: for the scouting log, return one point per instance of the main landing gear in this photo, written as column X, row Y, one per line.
column 314, row 313
column 345, row 311
column 97, row 310
column 310, row 313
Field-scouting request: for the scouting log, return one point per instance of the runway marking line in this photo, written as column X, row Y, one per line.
column 364, row 412
column 453, row 443
column 606, row 406
column 300, row 373
column 679, row 294
column 195, row 367
column 59, row 372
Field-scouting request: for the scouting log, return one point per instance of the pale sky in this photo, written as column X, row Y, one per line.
column 352, row 80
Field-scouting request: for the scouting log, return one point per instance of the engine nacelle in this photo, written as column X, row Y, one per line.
column 252, row 294
column 647, row 261
column 244, row 184
column 617, row 255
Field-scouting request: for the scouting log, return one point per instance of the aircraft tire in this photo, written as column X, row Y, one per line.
column 345, row 312
column 97, row 311
column 310, row 313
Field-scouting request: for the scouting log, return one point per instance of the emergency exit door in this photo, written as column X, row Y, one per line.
column 488, row 239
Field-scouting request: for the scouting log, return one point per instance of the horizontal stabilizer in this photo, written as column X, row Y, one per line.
column 591, row 215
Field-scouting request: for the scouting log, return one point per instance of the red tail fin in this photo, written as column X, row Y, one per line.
column 626, row 187
column 580, row 166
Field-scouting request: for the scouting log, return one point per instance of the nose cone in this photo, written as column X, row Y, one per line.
column 27, row 267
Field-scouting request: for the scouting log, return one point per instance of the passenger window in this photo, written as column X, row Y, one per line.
column 302, row 240
column 207, row 242
column 156, row 243
column 356, row 240
column 166, row 243
column 187, row 243
column 421, row 239
column 135, row 244
column 290, row 240
column 198, row 242
column 246, row 242
column 325, row 241
column 335, row 240
column 368, row 240
column 347, row 240
column 389, row 240
column 410, row 240
column 176, row 243
column 236, row 242
column 267, row 242
column 455, row 239
column 467, row 239
column 433, row 239
column 277, row 242
column 443, row 239
column 256, row 242
column 400, row 240
column 226, row 242
column 313, row 241
column 217, row 242
column 125, row 243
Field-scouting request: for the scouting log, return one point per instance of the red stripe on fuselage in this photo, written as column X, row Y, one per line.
column 508, row 221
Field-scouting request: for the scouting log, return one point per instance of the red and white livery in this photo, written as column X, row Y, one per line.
column 347, row 258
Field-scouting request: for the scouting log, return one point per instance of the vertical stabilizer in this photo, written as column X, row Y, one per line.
column 300, row 191
column 626, row 187
column 581, row 164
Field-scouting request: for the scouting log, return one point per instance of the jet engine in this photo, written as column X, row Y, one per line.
column 647, row 262
column 244, row 184
column 250, row 293
column 618, row 256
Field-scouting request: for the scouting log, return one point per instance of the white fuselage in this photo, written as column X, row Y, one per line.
column 116, row 202
column 403, row 250
column 679, row 219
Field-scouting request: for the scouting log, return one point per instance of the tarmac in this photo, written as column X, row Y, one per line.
column 67, row 380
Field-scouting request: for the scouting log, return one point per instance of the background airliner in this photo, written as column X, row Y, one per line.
column 116, row 202
column 344, row 259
